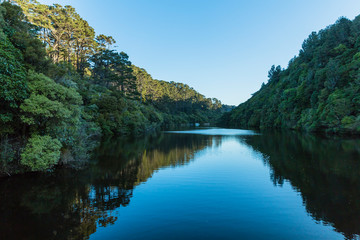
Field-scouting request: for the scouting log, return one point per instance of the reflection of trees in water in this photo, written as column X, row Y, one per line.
column 175, row 151
column 325, row 171
column 71, row 204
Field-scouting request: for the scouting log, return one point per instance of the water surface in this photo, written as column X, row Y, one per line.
column 196, row 184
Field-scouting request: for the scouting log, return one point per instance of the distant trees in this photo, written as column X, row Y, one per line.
column 172, row 95
column 174, row 99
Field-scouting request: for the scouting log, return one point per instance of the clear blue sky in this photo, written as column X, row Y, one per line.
column 222, row 48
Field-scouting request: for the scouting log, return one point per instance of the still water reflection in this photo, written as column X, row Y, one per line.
column 211, row 183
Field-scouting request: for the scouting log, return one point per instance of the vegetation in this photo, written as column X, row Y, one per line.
column 61, row 87
column 178, row 102
column 319, row 90
column 41, row 152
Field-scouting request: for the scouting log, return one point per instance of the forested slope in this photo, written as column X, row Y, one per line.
column 62, row 86
column 318, row 91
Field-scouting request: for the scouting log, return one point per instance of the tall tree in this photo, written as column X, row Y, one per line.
column 113, row 69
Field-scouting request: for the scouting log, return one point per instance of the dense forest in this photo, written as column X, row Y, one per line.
column 319, row 90
column 62, row 86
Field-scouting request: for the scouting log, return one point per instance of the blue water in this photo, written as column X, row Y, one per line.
column 225, row 193
column 216, row 132
column 209, row 184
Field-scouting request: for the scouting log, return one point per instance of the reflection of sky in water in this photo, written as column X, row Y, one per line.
column 217, row 132
column 223, row 193
column 203, row 183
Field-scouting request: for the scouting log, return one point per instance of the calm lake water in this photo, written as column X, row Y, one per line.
column 195, row 184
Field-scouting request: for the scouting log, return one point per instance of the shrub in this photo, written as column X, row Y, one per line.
column 41, row 153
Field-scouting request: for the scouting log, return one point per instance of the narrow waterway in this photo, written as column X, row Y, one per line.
column 196, row 184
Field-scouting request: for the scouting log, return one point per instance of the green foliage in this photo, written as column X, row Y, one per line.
column 13, row 87
column 68, row 37
column 50, row 104
column 40, row 153
column 121, row 116
column 12, row 84
column 112, row 69
column 61, row 83
column 319, row 91
column 22, row 35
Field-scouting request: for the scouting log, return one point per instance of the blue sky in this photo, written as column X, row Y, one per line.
column 222, row 48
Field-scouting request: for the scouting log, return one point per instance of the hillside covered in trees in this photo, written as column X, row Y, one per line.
column 319, row 90
column 62, row 86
